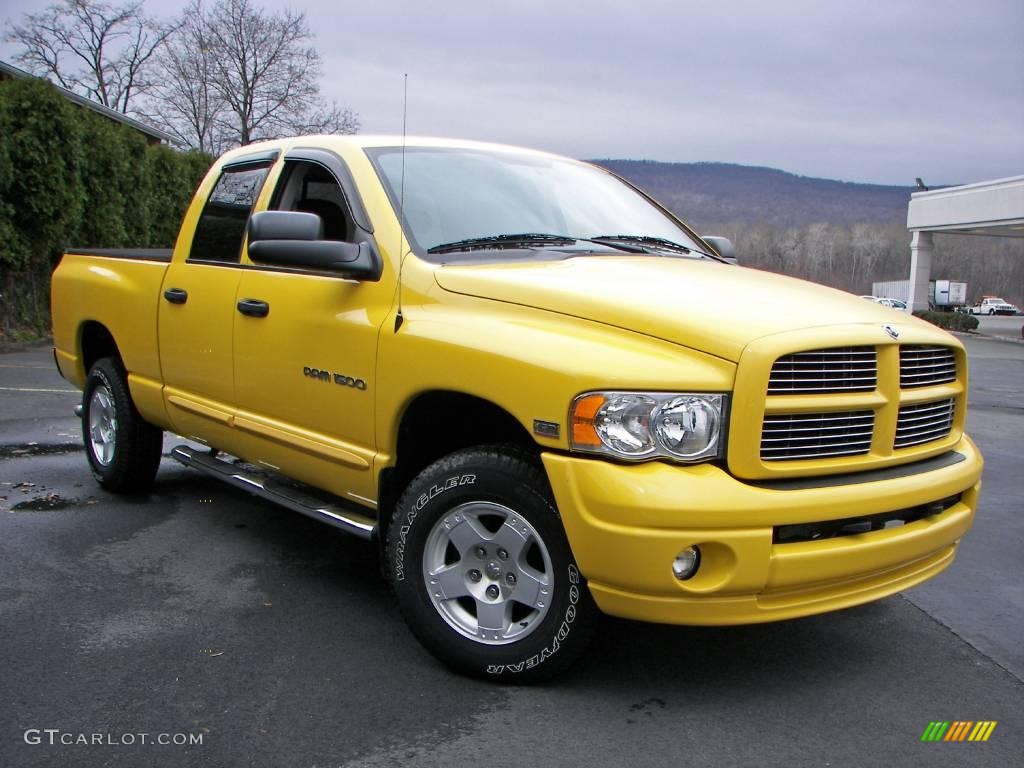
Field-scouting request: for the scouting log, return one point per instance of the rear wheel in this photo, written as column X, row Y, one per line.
column 482, row 568
column 123, row 449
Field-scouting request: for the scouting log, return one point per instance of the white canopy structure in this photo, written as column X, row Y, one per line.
column 986, row 208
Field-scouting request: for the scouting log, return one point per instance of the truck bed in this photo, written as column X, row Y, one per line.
column 118, row 289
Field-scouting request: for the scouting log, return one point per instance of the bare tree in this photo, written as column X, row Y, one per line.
column 234, row 73
column 329, row 118
column 267, row 72
column 184, row 99
column 91, row 47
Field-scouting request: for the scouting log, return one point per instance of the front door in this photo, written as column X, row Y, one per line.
column 306, row 349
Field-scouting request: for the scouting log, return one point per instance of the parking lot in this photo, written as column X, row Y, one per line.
column 1003, row 326
column 202, row 611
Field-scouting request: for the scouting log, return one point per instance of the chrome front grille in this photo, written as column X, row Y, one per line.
column 789, row 437
column 822, row 371
column 857, row 392
column 924, row 422
column 922, row 366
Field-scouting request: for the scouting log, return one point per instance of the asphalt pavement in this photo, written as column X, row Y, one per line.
column 1002, row 326
column 203, row 614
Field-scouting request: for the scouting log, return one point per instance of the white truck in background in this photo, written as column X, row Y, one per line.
column 993, row 305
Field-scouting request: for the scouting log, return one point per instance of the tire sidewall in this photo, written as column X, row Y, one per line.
column 99, row 375
column 429, row 498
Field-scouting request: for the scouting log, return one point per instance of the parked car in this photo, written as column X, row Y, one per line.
column 497, row 366
column 885, row 302
column 893, row 303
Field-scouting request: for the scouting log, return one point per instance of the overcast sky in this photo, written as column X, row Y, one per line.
column 877, row 91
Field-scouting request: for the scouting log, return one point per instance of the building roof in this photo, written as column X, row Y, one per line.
column 107, row 112
column 987, row 208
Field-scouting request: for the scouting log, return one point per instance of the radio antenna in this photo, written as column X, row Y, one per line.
column 401, row 203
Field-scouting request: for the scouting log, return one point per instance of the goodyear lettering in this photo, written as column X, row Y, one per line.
column 563, row 632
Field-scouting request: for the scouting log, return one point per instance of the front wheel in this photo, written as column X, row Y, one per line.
column 482, row 569
column 123, row 448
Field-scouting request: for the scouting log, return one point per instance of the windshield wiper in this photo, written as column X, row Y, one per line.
column 655, row 242
column 524, row 240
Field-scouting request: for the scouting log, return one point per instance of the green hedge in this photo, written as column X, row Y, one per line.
column 951, row 321
column 71, row 177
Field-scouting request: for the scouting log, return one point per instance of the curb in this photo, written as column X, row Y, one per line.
column 986, row 336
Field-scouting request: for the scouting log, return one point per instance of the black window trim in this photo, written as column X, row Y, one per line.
column 253, row 158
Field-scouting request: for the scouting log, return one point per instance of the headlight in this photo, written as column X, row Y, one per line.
column 647, row 425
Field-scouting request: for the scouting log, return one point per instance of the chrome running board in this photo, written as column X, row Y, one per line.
column 268, row 486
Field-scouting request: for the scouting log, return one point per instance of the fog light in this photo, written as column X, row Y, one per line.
column 686, row 563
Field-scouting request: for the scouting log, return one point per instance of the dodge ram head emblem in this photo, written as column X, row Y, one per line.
column 893, row 333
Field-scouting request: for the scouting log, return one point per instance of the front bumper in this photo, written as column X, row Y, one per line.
column 626, row 524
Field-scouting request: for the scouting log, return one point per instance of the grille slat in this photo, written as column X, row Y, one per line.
column 908, row 423
column 934, row 362
column 937, row 372
column 812, row 437
column 922, row 437
column 818, row 430
column 925, row 366
column 817, row 455
column 832, row 380
column 924, row 423
column 923, row 429
column 867, row 353
column 813, row 417
column 920, row 441
column 843, row 369
column 928, row 379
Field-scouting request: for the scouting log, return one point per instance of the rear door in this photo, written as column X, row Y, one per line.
column 305, row 368
column 197, row 307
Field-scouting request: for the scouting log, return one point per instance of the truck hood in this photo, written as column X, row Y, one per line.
column 704, row 305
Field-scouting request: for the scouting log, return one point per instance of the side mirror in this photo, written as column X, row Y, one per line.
column 292, row 239
column 285, row 225
column 723, row 247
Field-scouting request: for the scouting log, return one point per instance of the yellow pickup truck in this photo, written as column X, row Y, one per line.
column 512, row 371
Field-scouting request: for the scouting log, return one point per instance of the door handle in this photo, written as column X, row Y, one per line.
column 176, row 295
column 254, row 308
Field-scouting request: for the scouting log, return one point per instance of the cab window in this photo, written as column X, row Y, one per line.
column 311, row 188
column 221, row 227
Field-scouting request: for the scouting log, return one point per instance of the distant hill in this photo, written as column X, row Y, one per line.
column 705, row 194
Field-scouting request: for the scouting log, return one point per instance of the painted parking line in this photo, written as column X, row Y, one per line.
column 35, row 389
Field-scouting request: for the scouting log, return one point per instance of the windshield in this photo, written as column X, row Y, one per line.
column 454, row 195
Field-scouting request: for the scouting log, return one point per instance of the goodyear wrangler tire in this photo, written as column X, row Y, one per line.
column 482, row 569
column 123, row 449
